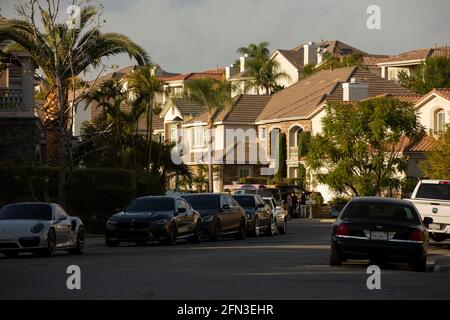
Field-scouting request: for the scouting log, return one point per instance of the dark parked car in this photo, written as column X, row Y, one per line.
column 380, row 229
column 164, row 219
column 259, row 215
column 221, row 215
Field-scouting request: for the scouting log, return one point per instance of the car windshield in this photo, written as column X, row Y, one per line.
column 203, row 202
column 434, row 191
column 246, row 202
column 26, row 212
column 151, row 204
column 380, row 211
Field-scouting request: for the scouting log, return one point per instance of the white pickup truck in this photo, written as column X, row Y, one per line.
column 432, row 199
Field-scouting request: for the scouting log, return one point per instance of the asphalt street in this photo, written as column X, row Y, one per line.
column 293, row 266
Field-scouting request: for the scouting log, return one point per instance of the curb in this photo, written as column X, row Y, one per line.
column 442, row 266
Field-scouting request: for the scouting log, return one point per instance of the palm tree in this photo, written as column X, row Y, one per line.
column 215, row 96
column 63, row 53
column 143, row 84
column 263, row 71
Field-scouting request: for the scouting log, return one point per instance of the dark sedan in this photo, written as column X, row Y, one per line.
column 380, row 229
column 164, row 219
column 259, row 215
column 221, row 215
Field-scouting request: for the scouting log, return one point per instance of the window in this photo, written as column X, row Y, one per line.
column 263, row 133
column 380, row 211
column 59, row 213
column 174, row 132
column 223, row 201
column 244, row 172
column 440, row 121
column 151, row 204
column 182, row 205
column 26, row 212
column 198, row 137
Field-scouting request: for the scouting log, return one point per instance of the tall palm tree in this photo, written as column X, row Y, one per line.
column 263, row 71
column 215, row 96
column 144, row 84
column 63, row 53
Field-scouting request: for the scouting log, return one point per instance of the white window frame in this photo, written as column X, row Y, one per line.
column 198, row 137
column 440, row 126
column 248, row 168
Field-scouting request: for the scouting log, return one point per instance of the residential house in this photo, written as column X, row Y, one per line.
column 301, row 107
column 234, row 146
column 409, row 61
column 434, row 110
column 292, row 62
column 22, row 137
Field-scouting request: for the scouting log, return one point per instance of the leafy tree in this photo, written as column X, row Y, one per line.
column 437, row 164
column 303, row 140
column 63, row 53
column 215, row 96
column 333, row 62
column 433, row 73
column 359, row 152
column 263, row 72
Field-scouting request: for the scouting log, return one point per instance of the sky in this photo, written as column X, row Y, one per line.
column 194, row 35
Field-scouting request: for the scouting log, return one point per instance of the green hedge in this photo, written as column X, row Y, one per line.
column 254, row 180
column 91, row 194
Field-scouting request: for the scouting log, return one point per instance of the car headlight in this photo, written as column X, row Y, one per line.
column 38, row 228
column 208, row 219
column 161, row 222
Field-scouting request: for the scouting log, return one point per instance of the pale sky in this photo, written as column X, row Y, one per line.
column 194, row 35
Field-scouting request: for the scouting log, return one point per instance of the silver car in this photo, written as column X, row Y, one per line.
column 40, row 228
column 279, row 214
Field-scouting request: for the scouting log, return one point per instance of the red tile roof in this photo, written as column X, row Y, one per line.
column 427, row 144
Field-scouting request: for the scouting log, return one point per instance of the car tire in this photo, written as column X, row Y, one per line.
column 271, row 228
column 335, row 258
column 51, row 244
column 171, row 238
column 79, row 249
column 216, row 231
column 419, row 265
column 242, row 231
column 283, row 229
column 112, row 243
column 197, row 236
column 11, row 254
column 256, row 229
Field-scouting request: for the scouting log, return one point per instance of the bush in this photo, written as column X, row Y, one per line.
column 148, row 185
column 254, row 180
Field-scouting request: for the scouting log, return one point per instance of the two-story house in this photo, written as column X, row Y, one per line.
column 409, row 61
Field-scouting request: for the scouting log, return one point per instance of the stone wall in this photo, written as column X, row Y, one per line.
column 20, row 140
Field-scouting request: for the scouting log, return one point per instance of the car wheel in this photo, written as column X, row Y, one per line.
column 335, row 258
column 283, row 229
column 11, row 254
column 242, row 230
column 216, row 231
column 171, row 238
column 197, row 236
column 112, row 243
column 256, row 229
column 419, row 265
column 79, row 249
column 272, row 227
column 51, row 244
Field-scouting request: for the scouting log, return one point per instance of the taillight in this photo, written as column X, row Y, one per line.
column 444, row 182
column 342, row 230
column 417, row 235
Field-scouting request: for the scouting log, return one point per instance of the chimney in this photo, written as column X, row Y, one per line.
column 243, row 60
column 231, row 71
column 310, row 53
column 354, row 91
column 320, row 54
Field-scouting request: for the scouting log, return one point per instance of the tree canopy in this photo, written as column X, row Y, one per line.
column 360, row 150
column 437, row 164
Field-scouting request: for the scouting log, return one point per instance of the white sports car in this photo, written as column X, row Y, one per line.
column 40, row 228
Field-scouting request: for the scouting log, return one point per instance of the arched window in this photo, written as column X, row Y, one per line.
column 294, row 134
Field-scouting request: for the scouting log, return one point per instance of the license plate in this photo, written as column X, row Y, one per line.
column 376, row 235
column 434, row 226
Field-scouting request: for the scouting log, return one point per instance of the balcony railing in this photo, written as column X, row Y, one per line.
column 11, row 100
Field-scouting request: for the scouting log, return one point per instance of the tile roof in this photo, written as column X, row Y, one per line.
column 295, row 57
column 217, row 74
column 420, row 54
column 335, row 47
column 188, row 107
column 304, row 97
column 427, row 144
column 374, row 59
column 246, row 109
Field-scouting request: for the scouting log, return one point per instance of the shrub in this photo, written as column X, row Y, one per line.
column 254, row 180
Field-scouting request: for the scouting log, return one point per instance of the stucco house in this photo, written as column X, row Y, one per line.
column 409, row 61
column 301, row 107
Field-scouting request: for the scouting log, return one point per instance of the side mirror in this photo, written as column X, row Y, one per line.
column 118, row 210
column 182, row 210
column 226, row 207
column 427, row 221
